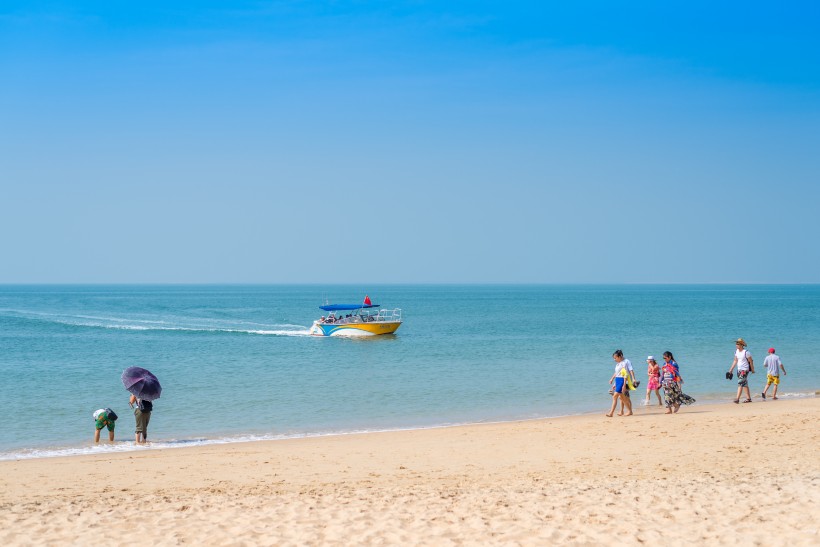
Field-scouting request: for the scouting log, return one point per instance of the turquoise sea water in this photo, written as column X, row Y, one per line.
column 236, row 362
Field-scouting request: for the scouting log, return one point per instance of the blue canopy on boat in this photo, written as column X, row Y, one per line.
column 347, row 307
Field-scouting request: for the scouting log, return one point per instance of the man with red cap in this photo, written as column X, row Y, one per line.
column 772, row 362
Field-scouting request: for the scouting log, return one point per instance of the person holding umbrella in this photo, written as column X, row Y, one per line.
column 142, row 415
column 144, row 388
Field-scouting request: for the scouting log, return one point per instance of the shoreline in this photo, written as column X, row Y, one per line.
column 85, row 448
column 719, row 473
column 127, row 446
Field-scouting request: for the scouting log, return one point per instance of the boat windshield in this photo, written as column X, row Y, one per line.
column 362, row 315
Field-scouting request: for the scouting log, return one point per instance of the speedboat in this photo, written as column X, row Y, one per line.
column 362, row 320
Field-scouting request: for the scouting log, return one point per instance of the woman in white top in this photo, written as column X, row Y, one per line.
column 621, row 385
column 745, row 365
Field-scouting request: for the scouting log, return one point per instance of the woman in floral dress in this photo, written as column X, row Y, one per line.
column 671, row 381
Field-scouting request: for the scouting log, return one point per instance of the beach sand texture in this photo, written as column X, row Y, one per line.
column 722, row 474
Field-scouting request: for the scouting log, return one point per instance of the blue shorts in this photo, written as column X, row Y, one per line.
column 619, row 384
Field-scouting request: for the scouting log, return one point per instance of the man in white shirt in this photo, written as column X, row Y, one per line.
column 772, row 362
column 745, row 365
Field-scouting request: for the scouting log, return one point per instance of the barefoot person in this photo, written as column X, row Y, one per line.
column 671, row 380
column 624, row 376
column 654, row 383
column 745, row 366
column 142, row 415
column 617, row 391
column 104, row 417
column 772, row 362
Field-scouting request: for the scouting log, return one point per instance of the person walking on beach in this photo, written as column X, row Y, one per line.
column 624, row 376
column 654, row 383
column 745, row 366
column 104, row 417
column 142, row 415
column 671, row 381
column 617, row 390
column 772, row 362
column 668, row 358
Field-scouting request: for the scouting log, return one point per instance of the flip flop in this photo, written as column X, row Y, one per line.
column 736, row 401
column 763, row 395
column 747, row 401
column 774, row 398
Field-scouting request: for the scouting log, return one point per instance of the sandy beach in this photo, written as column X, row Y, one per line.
column 720, row 474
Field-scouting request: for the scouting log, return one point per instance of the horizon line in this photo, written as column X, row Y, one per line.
column 383, row 283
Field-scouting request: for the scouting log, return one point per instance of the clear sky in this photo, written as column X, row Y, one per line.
column 393, row 142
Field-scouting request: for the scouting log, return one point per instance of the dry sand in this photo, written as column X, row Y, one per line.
column 723, row 474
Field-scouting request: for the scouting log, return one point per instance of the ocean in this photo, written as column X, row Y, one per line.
column 237, row 364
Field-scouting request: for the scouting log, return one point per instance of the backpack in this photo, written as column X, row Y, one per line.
column 751, row 363
column 111, row 414
column 146, row 406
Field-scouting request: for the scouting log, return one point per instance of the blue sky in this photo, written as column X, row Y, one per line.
column 392, row 142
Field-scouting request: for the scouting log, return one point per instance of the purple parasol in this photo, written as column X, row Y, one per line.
column 141, row 383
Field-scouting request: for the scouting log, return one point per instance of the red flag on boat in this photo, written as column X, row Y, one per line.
column 367, row 301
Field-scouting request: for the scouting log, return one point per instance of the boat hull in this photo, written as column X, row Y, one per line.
column 374, row 328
